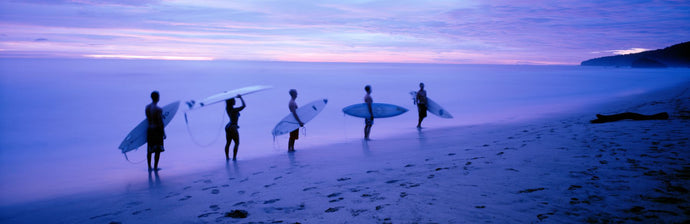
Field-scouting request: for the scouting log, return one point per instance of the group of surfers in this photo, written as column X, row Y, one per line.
column 156, row 127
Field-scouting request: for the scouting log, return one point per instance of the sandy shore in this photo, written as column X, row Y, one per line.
column 559, row 170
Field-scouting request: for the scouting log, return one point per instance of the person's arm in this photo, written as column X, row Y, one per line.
column 160, row 121
column 293, row 110
column 371, row 111
column 416, row 98
column 243, row 104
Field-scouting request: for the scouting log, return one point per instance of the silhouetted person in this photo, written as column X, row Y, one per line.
column 628, row 115
column 368, row 122
column 156, row 130
column 421, row 102
column 294, row 135
column 231, row 133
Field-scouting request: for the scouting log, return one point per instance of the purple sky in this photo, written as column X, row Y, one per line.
column 442, row 31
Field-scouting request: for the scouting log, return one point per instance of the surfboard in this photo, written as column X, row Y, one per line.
column 220, row 97
column 433, row 107
column 305, row 113
column 380, row 110
column 137, row 137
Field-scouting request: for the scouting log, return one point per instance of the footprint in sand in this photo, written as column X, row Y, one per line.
column 242, row 203
column 373, row 197
column 134, row 203
column 185, row 198
column 104, row 215
column 271, row 201
column 379, row 207
column 356, row 212
column 172, row 195
column 206, row 214
column 140, row 211
column 531, row 190
column 358, row 189
column 309, row 189
column 333, row 195
column 336, row 200
column 286, row 210
column 409, row 185
column 207, row 188
column 215, row 191
column 331, row 210
column 214, row 207
column 343, row 179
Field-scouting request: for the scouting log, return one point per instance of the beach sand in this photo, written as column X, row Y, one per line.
column 560, row 169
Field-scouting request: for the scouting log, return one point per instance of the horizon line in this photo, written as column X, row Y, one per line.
column 202, row 58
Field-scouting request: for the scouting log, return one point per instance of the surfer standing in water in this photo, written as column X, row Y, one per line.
column 155, row 133
column 231, row 133
column 294, row 135
column 421, row 101
column 368, row 122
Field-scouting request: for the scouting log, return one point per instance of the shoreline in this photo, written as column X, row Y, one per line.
column 559, row 168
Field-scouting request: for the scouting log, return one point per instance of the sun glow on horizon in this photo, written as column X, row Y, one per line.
column 629, row 51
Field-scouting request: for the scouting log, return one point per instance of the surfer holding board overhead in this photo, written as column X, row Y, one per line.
column 155, row 133
column 231, row 132
column 294, row 135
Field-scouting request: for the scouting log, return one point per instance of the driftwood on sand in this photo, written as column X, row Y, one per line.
column 629, row 115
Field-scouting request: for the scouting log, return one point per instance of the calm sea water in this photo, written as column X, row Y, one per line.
column 62, row 120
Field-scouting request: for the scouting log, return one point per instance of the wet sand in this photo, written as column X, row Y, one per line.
column 560, row 170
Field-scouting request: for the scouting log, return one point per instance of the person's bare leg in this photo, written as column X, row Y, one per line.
column 157, row 158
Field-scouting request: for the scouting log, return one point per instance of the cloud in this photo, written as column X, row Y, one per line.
column 92, row 2
column 443, row 31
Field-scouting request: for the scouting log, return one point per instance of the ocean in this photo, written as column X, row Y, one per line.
column 63, row 119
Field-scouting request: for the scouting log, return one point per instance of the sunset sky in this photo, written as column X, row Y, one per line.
column 404, row 31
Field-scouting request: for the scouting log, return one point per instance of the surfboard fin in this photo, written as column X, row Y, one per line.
column 190, row 104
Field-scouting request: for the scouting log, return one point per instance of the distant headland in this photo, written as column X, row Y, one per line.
column 674, row 56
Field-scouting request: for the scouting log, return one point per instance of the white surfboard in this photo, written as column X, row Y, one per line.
column 137, row 137
column 433, row 107
column 305, row 113
column 380, row 110
column 220, row 97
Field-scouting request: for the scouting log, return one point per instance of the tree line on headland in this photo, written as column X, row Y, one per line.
column 674, row 56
